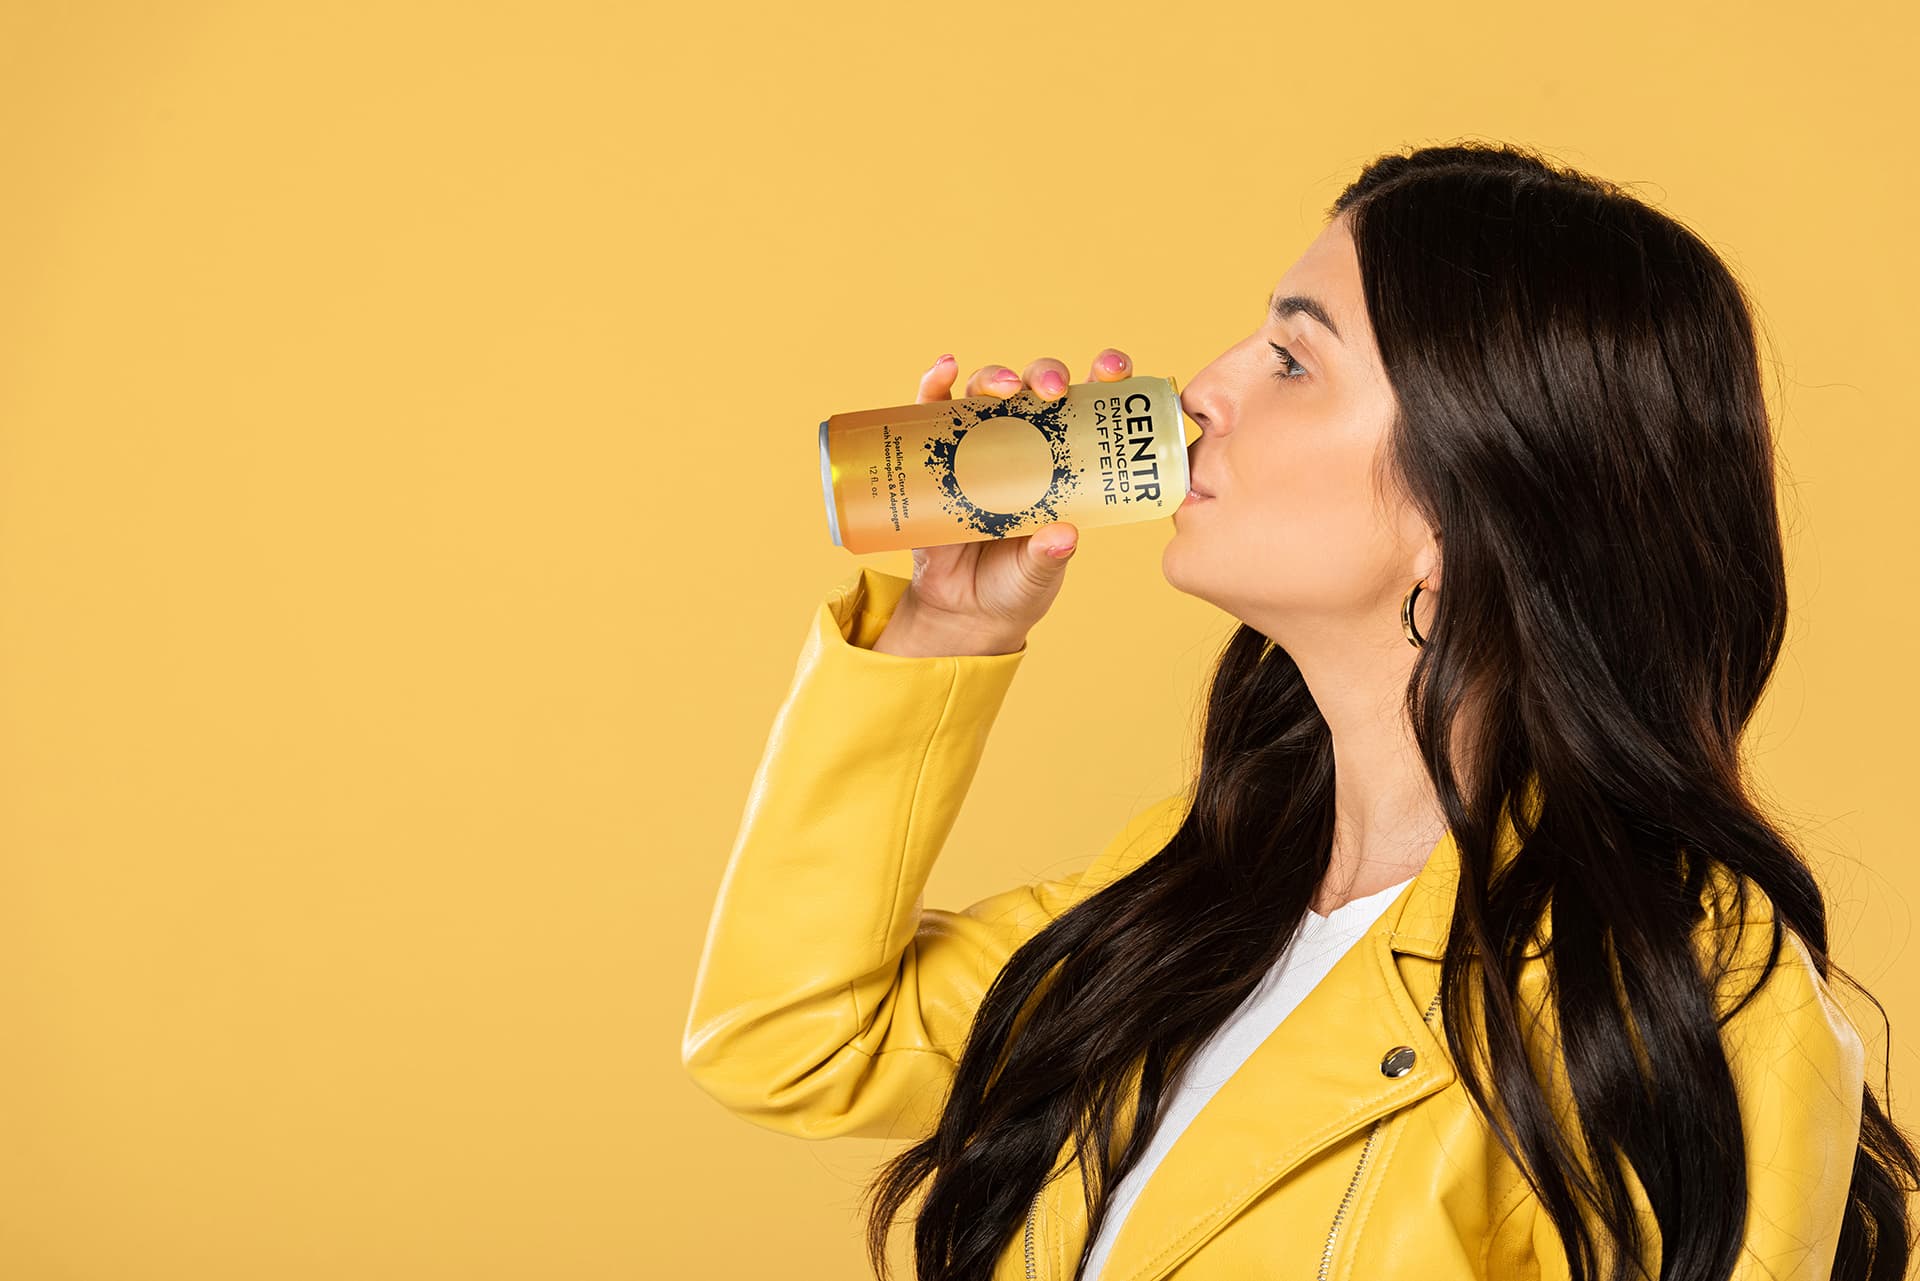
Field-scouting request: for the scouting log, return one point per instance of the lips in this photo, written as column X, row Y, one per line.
column 1193, row 481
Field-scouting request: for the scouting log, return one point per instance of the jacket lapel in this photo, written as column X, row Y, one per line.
column 1316, row 1080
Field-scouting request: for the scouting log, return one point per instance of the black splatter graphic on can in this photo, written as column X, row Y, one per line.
column 1048, row 417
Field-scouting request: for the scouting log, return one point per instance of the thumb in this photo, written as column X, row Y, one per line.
column 1054, row 543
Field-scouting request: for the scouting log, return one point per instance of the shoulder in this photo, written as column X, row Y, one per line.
column 1778, row 1011
column 1741, row 941
column 1770, row 995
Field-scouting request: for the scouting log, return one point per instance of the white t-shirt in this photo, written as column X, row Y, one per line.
column 1321, row 942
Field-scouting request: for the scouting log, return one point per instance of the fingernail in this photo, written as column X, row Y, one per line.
column 1007, row 376
column 943, row 360
column 1052, row 384
column 1062, row 550
column 1116, row 362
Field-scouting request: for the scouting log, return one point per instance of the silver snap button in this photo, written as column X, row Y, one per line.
column 1399, row 1061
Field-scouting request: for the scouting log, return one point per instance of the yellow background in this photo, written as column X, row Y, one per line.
column 411, row 516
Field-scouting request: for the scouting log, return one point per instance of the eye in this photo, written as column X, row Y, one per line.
column 1286, row 360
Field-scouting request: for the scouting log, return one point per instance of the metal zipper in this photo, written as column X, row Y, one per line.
column 1346, row 1199
column 1031, row 1211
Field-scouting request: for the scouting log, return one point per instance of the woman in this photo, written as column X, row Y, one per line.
column 1469, row 886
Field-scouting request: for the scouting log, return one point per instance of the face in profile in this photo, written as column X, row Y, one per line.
column 1293, row 538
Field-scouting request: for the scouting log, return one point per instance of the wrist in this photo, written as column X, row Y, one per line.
column 909, row 634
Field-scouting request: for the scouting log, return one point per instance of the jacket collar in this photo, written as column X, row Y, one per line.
column 1418, row 920
column 1315, row 1081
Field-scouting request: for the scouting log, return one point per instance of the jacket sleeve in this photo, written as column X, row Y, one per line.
column 828, row 1000
column 1799, row 1069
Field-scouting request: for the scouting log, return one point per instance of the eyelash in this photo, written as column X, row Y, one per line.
column 1286, row 357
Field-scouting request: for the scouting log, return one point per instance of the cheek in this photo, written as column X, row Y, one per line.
column 1306, row 516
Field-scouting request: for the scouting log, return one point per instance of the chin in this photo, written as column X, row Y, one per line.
column 1201, row 566
column 1174, row 563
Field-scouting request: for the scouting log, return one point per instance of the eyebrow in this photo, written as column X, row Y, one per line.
column 1297, row 305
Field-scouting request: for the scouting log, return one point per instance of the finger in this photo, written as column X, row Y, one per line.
column 1111, row 365
column 993, row 380
column 1049, row 377
column 1055, row 542
column 937, row 382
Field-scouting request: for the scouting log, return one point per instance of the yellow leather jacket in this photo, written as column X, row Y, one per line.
column 831, row 1001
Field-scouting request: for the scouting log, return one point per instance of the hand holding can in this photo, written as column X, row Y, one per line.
column 985, row 568
column 1004, row 461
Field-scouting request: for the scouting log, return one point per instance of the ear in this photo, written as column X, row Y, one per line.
column 1426, row 563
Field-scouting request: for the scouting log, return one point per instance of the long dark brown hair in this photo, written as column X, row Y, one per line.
column 1580, row 416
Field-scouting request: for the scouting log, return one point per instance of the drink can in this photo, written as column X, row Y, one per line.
column 960, row 471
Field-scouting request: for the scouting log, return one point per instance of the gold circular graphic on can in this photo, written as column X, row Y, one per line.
column 1018, row 470
column 1003, row 465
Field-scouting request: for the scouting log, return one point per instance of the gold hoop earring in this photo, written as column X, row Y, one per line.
column 1414, row 638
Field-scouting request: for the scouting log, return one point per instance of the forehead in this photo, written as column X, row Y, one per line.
column 1328, row 271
